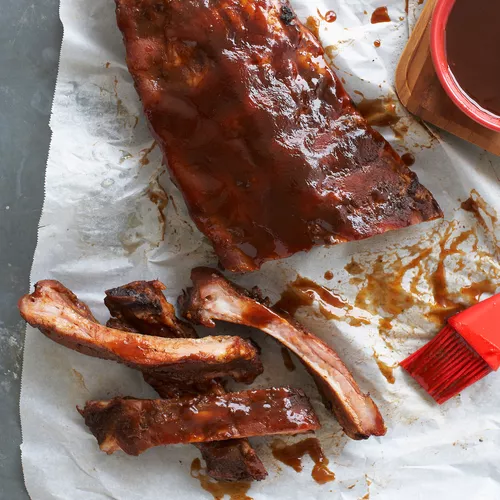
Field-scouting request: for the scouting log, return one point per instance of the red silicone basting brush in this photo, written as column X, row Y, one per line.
column 465, row 351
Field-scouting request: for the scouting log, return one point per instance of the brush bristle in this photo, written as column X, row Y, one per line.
column 446, row 365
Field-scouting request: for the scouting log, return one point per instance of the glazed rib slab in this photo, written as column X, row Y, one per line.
column 259, row 135
column 135, row 425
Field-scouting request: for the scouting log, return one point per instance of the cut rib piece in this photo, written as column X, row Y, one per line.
column 58, row 313
column 143, row 305
column 215, row 298
column 135, row 425
column 144, row 302
column 261, row 138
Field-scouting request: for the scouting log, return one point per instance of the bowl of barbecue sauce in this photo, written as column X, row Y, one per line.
column 465, row 46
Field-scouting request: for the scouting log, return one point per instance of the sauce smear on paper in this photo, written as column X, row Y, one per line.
column 292, row 454
column 219, row 490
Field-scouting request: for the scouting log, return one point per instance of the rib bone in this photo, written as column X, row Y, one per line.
column 142, row 304
column 215, row 298
column 58, row 313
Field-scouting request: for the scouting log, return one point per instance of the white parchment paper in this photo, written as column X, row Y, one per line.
column 100, row 229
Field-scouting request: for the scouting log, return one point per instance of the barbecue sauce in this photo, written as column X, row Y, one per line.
column 380, row 15
column 234, row 490
column 330, row 16
column 259, row 133
column 291, row 455
column 303, row 292
column 408, row 159
column 386, row 370
column 472, row 43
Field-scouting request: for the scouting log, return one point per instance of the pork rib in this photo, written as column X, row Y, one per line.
column 215, row 298
column 135, row 425
column 269, row 151
column 58, row 313
column 143, row 304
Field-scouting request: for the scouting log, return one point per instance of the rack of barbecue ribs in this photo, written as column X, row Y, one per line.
column 261, row 138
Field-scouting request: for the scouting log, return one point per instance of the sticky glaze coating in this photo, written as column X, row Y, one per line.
column 472, row 38
column 135, row 425
column 59, row 315
column 260, row 136
column 142, row 305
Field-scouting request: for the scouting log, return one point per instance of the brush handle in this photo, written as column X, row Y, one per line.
column 480, row 328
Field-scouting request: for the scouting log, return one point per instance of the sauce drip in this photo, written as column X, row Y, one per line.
column 328, row 275
column 377, row 43
column 304, row 292
column 235, row 491
column 408, row 159
column 159, row 197
column 379, row 112
column 386, row 370
column 291, row 455
column 380, row 15
column 330, row 16
column 287, row 359
column 313, row 24
column 472, row 37
column 145, row 154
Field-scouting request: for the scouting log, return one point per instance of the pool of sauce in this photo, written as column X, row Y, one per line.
column 408, row 159
column 219, row 490
column 292, row 455
column 472, row 41
column 378, row 112
column 380, row 15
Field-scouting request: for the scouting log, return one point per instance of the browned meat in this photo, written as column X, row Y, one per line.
column 135, row 425
column 58, row 313
column 143, row 305
column 233, row 460
column 215, row 298
column 266, row 146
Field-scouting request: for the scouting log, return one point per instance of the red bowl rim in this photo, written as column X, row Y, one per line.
column 450, row 85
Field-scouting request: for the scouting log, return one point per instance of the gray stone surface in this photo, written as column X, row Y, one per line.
column 30, row 38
